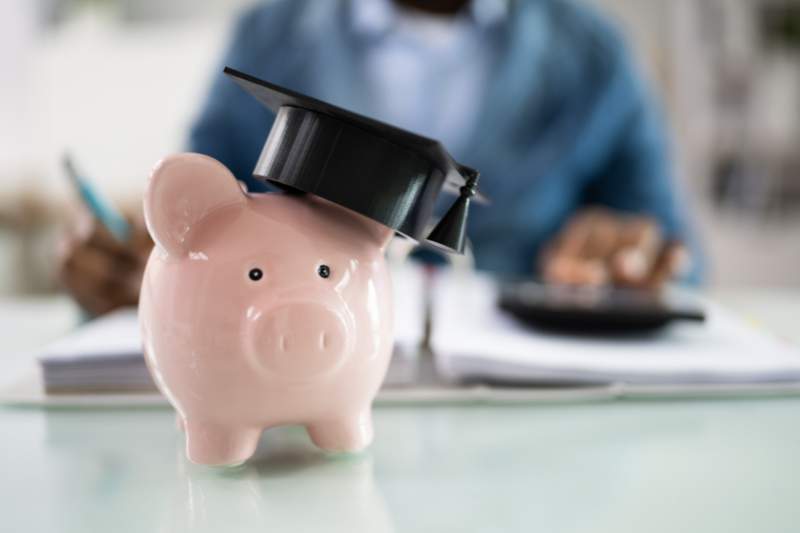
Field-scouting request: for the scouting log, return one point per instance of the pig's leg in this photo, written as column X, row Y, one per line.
column 346, row 434
column 215, row 445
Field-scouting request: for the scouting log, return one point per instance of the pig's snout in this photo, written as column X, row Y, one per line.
column 300, row 340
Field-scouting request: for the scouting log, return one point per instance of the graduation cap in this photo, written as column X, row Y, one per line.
column 385, row 173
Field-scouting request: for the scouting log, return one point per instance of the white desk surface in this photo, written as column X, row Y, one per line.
column 722, row 465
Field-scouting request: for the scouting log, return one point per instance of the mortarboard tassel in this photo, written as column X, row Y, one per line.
column 451, row 231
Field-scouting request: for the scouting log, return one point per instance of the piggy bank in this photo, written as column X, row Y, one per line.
column 260, row 310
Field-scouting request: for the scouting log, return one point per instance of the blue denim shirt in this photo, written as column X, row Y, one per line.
column 565, row 120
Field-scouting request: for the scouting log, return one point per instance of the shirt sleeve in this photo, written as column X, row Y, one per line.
column 636, row 174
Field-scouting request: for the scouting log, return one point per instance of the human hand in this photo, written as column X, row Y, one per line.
column 100, row 272
column 603, row 247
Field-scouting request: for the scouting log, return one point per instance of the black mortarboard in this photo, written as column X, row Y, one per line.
column 387, row 174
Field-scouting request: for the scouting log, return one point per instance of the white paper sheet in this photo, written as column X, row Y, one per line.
column 474, row 339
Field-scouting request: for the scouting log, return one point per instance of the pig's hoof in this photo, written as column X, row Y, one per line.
column 213, row 445
column 352, row 435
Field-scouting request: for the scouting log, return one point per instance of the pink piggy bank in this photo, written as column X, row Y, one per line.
column 262, row 309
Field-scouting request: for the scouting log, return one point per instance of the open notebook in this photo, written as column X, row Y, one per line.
column 475, row 340
column 479, row 353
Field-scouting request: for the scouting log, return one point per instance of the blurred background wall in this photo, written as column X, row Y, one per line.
column 117, row 82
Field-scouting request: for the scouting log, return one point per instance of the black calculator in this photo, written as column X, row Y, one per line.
column 594, row 310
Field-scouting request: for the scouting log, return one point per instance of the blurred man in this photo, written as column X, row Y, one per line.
column 541, row 96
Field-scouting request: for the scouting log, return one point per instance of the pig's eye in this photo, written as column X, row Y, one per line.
column 324, row 271
column 255, row 274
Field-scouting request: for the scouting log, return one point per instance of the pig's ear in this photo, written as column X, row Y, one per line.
column 180, row 192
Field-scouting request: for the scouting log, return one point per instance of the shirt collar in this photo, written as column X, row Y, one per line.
column 377, row 17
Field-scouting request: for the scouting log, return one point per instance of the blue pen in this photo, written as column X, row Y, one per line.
column 97, row 205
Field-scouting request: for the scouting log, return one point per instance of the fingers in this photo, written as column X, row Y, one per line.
column 100, row 272
column 100, row 238
column 590, row 235
column 573, row 240
column 638, row 249
column 97, row 263
column 672, row 261
column 98, row 297
column 582, row 249
column 100, row 281
column 599, row 247
column 575, row 271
